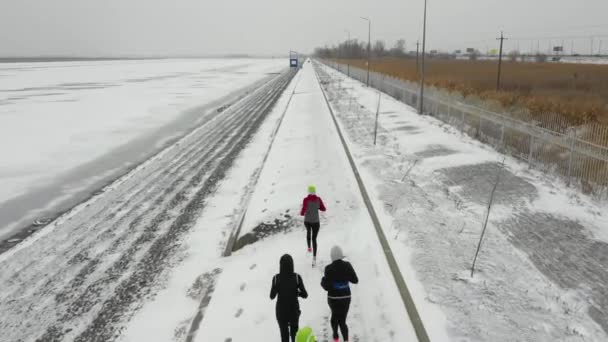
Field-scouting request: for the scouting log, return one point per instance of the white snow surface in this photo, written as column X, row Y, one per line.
column 306, row 150
column 415, row 175
column 57, row 116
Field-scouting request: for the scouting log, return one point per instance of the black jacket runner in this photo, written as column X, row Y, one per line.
column 287, row 286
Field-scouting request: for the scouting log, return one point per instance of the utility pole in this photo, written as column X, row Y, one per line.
column 502, row 38
column 591, row 45
column 369, row 45
column 421, row 101
column 417, row 57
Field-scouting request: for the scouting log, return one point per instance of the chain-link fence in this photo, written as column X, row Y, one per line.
column 582, row 162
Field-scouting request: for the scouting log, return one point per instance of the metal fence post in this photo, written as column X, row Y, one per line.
column 572, row 142
column 462, row 120
column 530, row 155
column 449, row 110
column 377, row 114
column 502, row 135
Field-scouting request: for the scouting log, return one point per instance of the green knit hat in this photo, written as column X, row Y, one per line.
column 305, row 335
column 312, row 189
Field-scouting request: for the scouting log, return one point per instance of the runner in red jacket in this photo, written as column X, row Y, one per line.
column 310, row 210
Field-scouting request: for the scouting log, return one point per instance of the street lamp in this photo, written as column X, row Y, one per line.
column 421, row 102
column 369, row 44
column 348, row 54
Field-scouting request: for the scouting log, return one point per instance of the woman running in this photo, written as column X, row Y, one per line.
column 287, row 286
column 336, row 281
column 310, row 210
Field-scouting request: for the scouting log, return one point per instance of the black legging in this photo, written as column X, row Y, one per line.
column 288, row 327
column 314, row 229
column 339, row 311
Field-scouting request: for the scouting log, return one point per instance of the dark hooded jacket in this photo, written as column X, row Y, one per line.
column 287, row 286
column 338, row 275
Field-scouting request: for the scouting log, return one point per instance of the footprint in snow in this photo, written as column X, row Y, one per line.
column 325, row 332
column 239, row 312
column 243, row 285
column 252, row 266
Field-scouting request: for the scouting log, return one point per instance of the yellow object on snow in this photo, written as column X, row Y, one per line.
column 305, row 335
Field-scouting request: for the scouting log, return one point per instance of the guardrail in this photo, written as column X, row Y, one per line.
column 581, row 163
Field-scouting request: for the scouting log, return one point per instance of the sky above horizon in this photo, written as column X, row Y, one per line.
column 273, row 27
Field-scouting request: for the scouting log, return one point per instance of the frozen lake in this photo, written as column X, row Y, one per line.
column 69, row 127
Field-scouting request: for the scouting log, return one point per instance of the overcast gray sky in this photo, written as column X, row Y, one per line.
column 203, row 27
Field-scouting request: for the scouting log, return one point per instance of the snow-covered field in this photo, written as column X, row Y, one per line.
column 542, row 274
column 68, row 126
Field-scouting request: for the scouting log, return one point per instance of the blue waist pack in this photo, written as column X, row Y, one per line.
column 341, row 285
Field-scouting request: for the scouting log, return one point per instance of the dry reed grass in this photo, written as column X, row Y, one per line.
column 577, row 92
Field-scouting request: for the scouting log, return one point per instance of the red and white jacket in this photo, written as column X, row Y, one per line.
column 310, row 208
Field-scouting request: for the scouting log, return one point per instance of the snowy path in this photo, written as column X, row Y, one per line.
column 307, row 150
column 79, row 278
column 542, row 272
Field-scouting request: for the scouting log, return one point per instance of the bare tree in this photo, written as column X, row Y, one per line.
column 379, row 49
column 399, row 49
